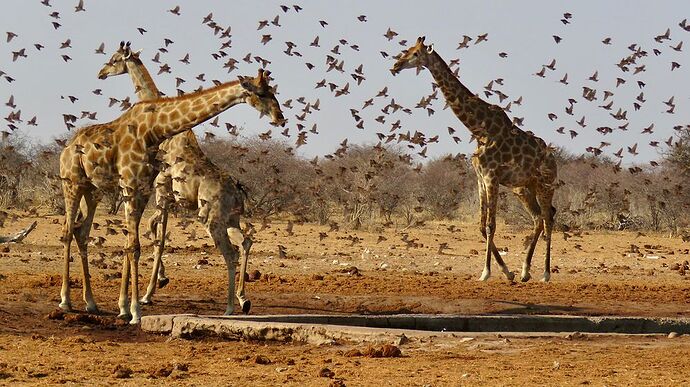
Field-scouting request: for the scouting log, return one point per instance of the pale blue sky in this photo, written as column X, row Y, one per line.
column 523, row 30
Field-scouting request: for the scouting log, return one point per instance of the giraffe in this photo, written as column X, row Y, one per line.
column 505, row 155
column 190, row 179
column 121, row 155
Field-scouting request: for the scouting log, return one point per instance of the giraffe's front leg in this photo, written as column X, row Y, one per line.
column 243, row 244
column 489, row 222
column 81, row 235
column 123, row 301
column 486, row 273
column 133, row 211
column 72, row 200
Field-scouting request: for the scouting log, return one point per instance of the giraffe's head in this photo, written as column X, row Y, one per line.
column 415, row 57
column 262, row 96
column 118, row 62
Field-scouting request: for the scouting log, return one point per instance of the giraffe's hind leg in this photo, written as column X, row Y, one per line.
column 158, row 225
column 219, row 234
column 81, row 235
column 529, row 201
column 243, row 243
column 548, row 214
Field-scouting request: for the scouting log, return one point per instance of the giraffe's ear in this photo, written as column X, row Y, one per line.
column 137, row 52
column 430, row 49
column 420, row 40
column 246, row 82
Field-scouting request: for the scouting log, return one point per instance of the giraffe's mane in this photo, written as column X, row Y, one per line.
column 191, row 95
column 147, row 74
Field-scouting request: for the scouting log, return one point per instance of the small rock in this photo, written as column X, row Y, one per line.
column 575, row 336
column 326, row 373
column 317, row 277
column 164, row 371
column 56, row 314
column 673, row 335
column 474, row 252
column 402, row 339
column 263, row 360
column 390, row 351
column 255, row 275
column 354, row 352
column 122, row 372
column 386, row 351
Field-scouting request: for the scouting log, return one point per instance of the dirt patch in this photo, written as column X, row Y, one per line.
column 594, row 274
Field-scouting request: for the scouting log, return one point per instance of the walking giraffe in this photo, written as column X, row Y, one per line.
column 505, row 155
column 191, row 179
column 121, row 155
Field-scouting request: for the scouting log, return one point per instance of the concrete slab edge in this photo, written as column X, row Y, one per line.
column 323, row 329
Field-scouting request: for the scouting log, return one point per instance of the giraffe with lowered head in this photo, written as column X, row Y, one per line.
column 189, row 178
column 505, row 155
column 120, row 155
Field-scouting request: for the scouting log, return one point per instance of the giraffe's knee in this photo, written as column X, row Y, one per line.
column 247, row 244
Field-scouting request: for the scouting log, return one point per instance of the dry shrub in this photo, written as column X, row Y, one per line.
column 363, row 186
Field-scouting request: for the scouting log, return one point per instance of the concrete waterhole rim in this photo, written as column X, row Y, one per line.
column 331, row 329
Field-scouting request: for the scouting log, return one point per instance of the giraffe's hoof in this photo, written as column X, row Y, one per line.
column 162, row 282
column 485, row 275
column 125, row 316
column 92, row 309
column 246, row 306
column 146, row 301
column 510, row 276
column 547, row 277
column 525, row 277
column 135, row 321
column 65, row 306
column 229, row 312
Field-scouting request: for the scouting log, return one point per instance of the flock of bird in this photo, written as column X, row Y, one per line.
column 339, row 79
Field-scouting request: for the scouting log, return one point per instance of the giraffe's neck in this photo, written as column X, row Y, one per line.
column 143, row 83
column 146, row 89
column 167, row 117
column 470, row 109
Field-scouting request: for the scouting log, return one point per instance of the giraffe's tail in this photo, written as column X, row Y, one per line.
column 244, row 196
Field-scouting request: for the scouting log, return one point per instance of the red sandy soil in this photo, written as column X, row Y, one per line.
column 594, row 273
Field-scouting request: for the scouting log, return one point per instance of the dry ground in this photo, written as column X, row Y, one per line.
column 595, row 273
